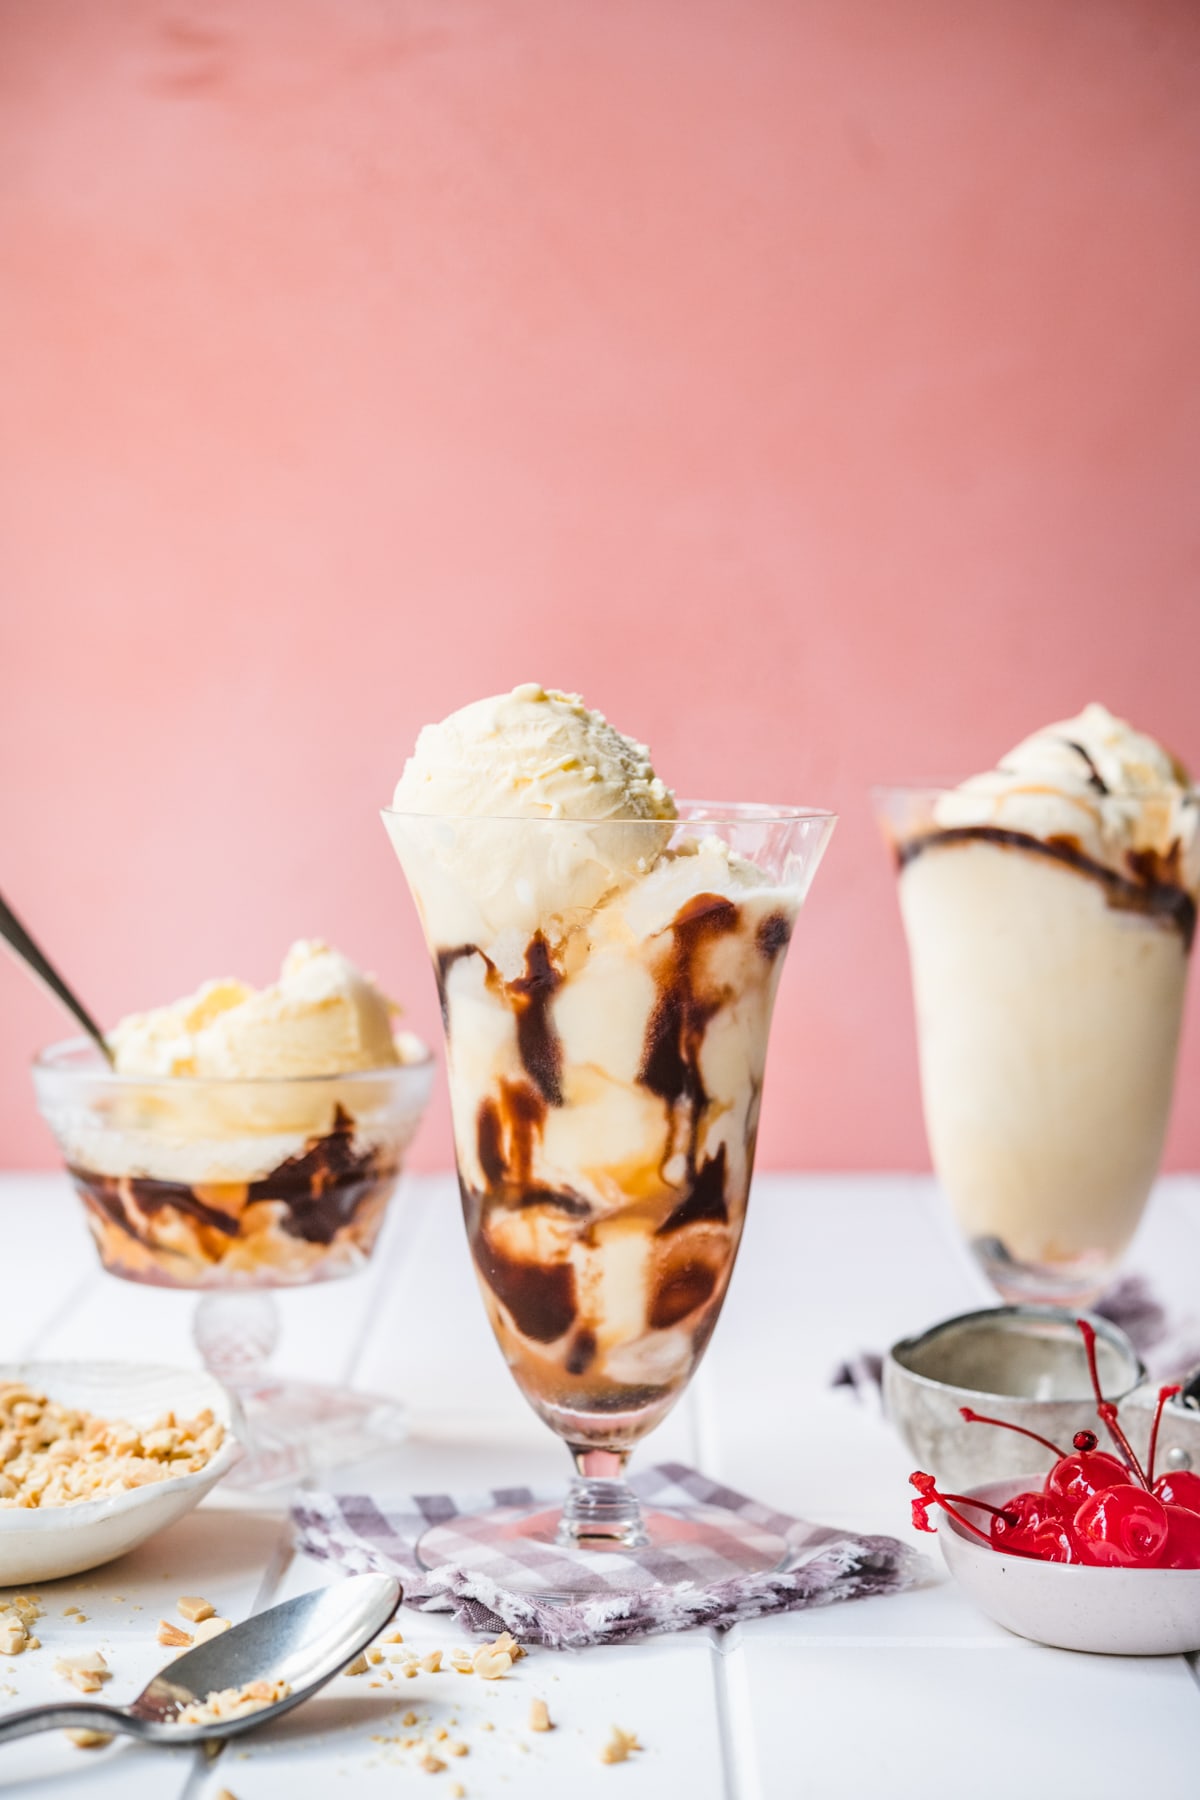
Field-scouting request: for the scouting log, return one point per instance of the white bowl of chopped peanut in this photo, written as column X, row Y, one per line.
column 96, row 1457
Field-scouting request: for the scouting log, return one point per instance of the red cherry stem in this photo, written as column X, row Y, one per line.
column 974, row 1418
column 929, row 1496
column 998, row 1512
column 1164, row 1394
column 924, row 1485
column 1106, row 1409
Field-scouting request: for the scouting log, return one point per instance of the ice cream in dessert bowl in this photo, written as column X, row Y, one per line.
column 241, row 1137
column 1050, row 907
column 607, row 960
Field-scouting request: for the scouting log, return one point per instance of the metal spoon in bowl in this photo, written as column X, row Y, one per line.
column 305, row 1643
column 19, row 941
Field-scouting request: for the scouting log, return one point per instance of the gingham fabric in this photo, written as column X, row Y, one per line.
column 645, row 1591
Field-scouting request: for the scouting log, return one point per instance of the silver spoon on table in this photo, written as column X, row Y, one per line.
column 305, row 1642
column 23, row 947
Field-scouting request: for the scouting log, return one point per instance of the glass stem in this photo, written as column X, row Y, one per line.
column 236, row 1332
column 601, row 1511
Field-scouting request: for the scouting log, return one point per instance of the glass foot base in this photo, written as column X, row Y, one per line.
column 518, row 1548
column 1076, row 1283
column 296, row 1428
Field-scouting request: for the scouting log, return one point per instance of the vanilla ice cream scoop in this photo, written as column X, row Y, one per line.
column 533, row 754
column 1092, row 779
column 322, row 1017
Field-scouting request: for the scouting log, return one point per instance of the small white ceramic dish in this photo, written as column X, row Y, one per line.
column 37, row 1545
column 1113, row 1612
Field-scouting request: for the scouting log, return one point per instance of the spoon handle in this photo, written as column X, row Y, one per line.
column 19, row 940
column 62, row 1715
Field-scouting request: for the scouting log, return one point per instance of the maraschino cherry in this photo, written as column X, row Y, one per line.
column 1094, row 1508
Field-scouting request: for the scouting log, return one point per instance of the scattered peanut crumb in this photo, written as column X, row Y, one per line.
column 410, row 1718
column 84, row 1738
column 80, row 1619
column 359, row 1666
column 87, row 1672
column 432, row 1663
column 394, row 1637
column 225, row 1795
column 539, row 1716
column 16, row 1618
column 620, row 1746
column 456, row 1747
column 171, row 1635
column 491, row 1664
column 209, row 1628
column 69, row 1611
column 486, row 1725
column 232, row 1703
column 411, row 1670
column 194, row 1607
column 431, row 1763
column 457, row 1791
column 373, row 1655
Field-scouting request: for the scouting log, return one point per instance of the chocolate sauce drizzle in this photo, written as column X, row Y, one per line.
column 1095, row 779
column 1153, row 886
column 671, row 1056
column 537, row 1040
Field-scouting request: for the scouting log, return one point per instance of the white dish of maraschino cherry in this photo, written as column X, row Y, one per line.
column 1104, row 1556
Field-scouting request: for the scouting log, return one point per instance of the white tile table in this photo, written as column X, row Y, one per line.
column 879, row 1700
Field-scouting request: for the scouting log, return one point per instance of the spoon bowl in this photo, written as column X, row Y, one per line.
column 304, row 1642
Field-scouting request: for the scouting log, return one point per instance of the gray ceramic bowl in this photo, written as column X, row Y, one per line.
column 1025, row 1364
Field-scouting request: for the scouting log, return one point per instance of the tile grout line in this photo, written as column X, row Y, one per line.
column 411, row 1204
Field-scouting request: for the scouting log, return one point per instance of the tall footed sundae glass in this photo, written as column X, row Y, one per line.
column 607, row 986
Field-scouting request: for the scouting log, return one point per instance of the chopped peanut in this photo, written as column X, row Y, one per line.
column 209, row 1628
column 84, row 1738
column 539, row 1716
column 53, row 1455
column 359, row 1666
column 432, row 1663
column 193, row 1607
column 620, row 1746
column 171, row 1635
column 491, row 1664
column 86, row 1672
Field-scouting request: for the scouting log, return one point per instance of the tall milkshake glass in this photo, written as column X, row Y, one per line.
column 607, row 990
column 1048, row 986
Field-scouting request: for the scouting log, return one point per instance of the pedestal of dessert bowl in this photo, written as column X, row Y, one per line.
column 232, row 1189
column 607, row 989
column 1048, row 988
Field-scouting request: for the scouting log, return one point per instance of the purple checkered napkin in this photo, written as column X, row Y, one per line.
column 645, row 1591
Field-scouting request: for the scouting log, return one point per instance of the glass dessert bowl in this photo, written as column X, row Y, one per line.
column 607, row 988
column 234, row 1187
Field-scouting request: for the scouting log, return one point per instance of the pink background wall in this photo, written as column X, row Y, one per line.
column 812, row 383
